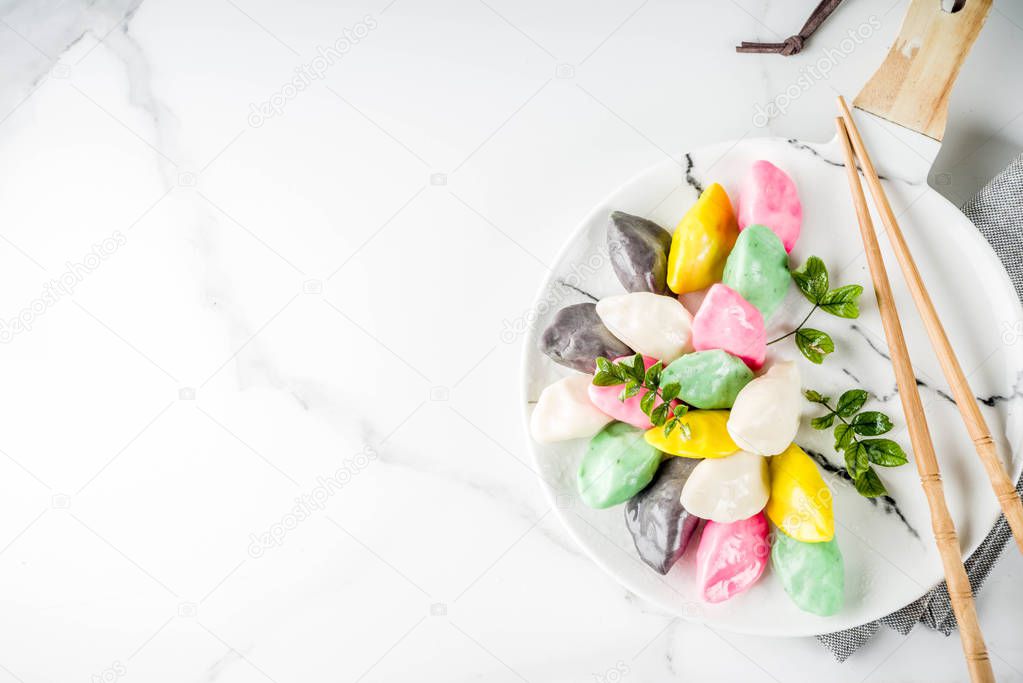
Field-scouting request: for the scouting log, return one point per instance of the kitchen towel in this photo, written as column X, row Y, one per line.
column 997, row 211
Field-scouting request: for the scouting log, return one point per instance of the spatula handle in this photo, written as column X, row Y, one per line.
column 912, row 85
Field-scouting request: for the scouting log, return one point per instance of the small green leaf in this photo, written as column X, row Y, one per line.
column 850, row 402
column 843, row 301
column 653, row 375
column 843, row 437
column 680, row 410
column 814, row 397
column 812, row 279
column 646, row 404
column 603, row 364
column 659, row 414
column 669, row 425
column 684, row 431
column 884, row 452
column 630, row 390
column 669, row 392
column 869, row 485
column 638, row 368
column 856, row 460
column 814, row 344
column 823, row 422
column 871, row 423
column 606, row 379
column 621, row 372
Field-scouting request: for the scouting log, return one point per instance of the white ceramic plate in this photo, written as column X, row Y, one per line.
column 889, row 552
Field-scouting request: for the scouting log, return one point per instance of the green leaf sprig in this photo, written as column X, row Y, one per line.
column 812, row 281
column 859, row 454
column 632, row 372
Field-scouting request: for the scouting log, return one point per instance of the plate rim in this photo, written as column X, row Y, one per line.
column 525, row 413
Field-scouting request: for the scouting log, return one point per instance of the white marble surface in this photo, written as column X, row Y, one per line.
column 318, row 302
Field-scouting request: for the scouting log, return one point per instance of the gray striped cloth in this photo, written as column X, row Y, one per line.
column 997, row 211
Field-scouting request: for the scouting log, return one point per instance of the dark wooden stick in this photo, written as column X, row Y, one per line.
column 794, row 44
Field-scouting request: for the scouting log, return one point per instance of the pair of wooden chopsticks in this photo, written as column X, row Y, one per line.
column 959, row 592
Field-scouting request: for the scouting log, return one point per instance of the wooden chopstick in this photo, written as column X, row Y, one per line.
column 976, row 425
column 974, row 649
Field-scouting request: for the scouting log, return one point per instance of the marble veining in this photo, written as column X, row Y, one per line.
column 834, row 162
column 577, row 290
column 887, row 504
column 272, row 316
column 989, row 401
column 691, row 179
